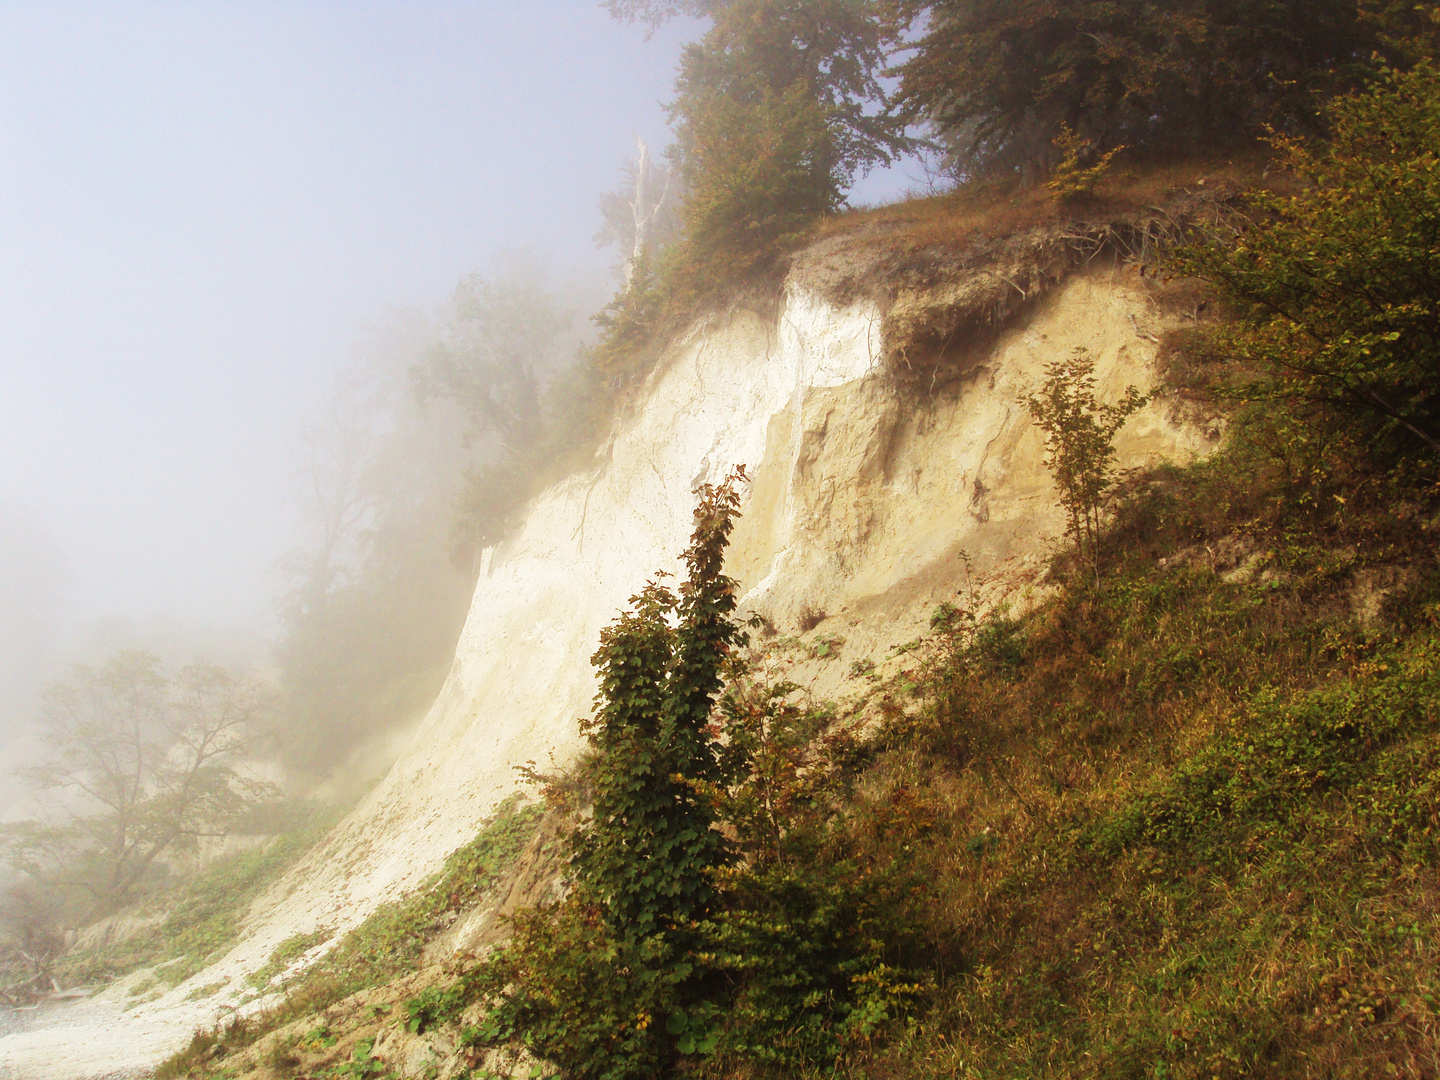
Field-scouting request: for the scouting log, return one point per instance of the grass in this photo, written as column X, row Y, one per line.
column 1173, row 823
column 1178, row 826
column 984, row 211
column 205, row 913
column 386, row 946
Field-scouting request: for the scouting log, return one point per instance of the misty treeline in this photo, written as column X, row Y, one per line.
column 439, row 430
column 436, row 436
column 781, row 104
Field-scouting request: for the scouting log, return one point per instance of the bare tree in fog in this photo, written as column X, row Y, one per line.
column 642, row 215
column 507, row 360
column 141, row 765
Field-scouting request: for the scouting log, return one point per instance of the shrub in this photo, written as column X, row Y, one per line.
column 589, row 985
column 1071, row 178
column 1340, row 284
column 1080, row 442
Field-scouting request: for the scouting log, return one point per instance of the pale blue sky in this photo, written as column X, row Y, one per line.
column 201, row 205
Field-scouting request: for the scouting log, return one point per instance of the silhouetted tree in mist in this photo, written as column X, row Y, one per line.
column 141, row 765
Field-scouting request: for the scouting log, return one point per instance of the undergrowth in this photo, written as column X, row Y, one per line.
column 204, row 916
column 387, row 945
column 1179, row 820
column 1184, row 823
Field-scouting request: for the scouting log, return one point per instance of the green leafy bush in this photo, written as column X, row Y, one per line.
column 1338, row 284
column 1080, row 445
column 589, row 985
column 667, row 950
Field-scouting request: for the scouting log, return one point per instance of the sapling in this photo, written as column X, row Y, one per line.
column 1080, row 445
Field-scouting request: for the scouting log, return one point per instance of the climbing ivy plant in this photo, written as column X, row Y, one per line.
column 606, row 985
column 650, row 853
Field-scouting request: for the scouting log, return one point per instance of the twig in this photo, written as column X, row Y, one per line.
column 1140, row 333
column 1023, row 294
column 1006, row 781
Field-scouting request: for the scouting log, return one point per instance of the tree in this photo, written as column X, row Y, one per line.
column 501, row 361
column 641, row 215
column 651, row 851
column 999, row 78
column 144, row 765
column 495, row 351
column 341, row 446
column 595, row 985
column 1339, row 285
column 378, row 596
column 1080, row 445
column 777, row 109
column 670, row 947
column 653, row 13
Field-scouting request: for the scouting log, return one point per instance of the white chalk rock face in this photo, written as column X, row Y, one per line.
column 865, row 503
column 522, row 674
column 862, row 505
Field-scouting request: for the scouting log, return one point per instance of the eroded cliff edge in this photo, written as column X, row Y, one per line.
column 893, row 463
column 870, row 501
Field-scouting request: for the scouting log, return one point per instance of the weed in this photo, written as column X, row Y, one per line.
column 200, row 993
column 285, row 954
column 433, row 1006
column 809, row 618
column 363, row 1065
column 862, row 669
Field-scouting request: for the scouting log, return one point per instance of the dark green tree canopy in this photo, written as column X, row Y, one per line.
column 998, row 78
column 760, row 50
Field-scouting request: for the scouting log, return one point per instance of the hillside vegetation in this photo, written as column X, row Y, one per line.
column 1175, row 816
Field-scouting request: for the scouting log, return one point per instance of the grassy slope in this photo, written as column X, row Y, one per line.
column 1184, row 824
column 1179, row 825
column 386, row 948
column 205, row 914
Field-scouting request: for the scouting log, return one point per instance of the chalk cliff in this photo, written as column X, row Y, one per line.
column 869, row 502
column 875, row 492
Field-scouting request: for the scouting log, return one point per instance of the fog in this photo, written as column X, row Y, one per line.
column 202, row 205
column 203, row 208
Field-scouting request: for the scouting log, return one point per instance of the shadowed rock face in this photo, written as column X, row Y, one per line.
column 868, row 501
